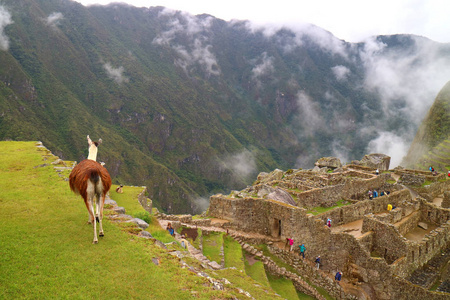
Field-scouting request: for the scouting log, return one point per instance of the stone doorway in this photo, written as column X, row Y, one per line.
column 276, row 228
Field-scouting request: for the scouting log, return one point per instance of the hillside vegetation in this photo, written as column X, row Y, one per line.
column 188, row 106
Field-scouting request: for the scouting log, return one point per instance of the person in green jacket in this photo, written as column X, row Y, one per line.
column 302, row 250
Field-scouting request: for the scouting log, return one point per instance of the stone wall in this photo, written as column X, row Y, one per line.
column 402, row 289
column 446, row 200
column 350, row 213
column 352, row 186
column 434, row 215
column 145, row 202
column 408, row 223
column 387, row 241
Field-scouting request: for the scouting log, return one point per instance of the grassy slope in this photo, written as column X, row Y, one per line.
column 46, row 249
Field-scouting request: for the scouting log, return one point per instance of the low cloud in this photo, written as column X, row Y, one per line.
column 309, row 118
column 340, row 72
column 407, row 84
column 198, row 50
column 242, row 164
column 390, row 144
column 263, row 68
column 53, row 20
column 5, row 20
column 115, row 74
column 200, row 205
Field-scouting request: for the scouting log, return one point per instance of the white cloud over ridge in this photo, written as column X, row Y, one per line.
column 5, row 20
column 341, row 72
column 54, row 18
column 115, row 74
column 199, row 51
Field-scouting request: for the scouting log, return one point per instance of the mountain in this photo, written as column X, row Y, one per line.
column 431, row 145
column 190, row 105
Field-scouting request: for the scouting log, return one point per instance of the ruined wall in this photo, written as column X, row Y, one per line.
column 402, row 289
column 387, row 241
column 439, row 186
column 351, row 186
column 408, row 223
column 350, row 213
column 433, row 214
column 145, row 202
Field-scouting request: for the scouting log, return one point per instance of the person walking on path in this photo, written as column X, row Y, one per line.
column 317, row 261
column 302, row 250
column 329, row 222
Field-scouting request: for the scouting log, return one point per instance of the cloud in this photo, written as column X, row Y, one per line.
column 309, row 117
column 341, row 72
column 115, row 74
column 391, row 144
column 197, row 51
column 300, row 33
column 265, row 67
column 5, row 20
column 200, row 204
column 413, row 79
column 54, row 18
column 242, row 164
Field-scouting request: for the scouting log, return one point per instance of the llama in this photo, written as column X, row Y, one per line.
column 90, row 179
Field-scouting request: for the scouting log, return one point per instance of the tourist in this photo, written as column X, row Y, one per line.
column 170, row 229
column 291, row 244
column 448, row 173
column 338, row 276
column 317, row 261
column 302, row 250
column 375, row 193
column 370, row 195
column 377, row 172
column 389, row 208
column 183, row 241
column 329, row 222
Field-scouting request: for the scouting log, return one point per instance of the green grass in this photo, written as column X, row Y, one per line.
column 212, row 244
column 129, row 198
column 232, row 252
column 47, row 251
column 283, row 287
column 320, row 210
column 256, row 290
column 256, row 271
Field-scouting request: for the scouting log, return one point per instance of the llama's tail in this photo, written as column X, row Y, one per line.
column 94, row 176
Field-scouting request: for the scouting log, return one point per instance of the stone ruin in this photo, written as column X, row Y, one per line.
column 378, row 250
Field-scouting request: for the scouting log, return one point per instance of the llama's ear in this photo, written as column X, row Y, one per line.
column 99, row 141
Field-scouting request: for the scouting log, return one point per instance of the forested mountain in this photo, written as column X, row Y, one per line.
column 193, row 105
column 431, row 145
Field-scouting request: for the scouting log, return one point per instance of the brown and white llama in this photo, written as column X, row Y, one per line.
column 90, row 179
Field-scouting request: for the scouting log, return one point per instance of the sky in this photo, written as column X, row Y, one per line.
column 349, row 20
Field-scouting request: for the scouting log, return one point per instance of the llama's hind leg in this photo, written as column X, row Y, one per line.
column 94, row 224
column 90, row 211
column 99, row 213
